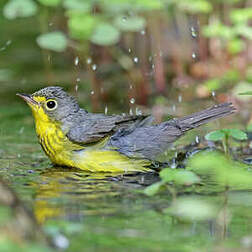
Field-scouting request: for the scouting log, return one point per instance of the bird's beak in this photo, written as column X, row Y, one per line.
column 28, row 98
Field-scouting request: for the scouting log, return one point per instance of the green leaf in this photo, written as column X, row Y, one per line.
column 238, row 134
column 55, row 41
column 179, row 177
column 79, row 5
column 236, row 46
column 81, row 25
column 217, row 135
column 167, row 175
column 105, row 35
column 212, row 84
column 221, row 169
column 246, row 93
column 19, row 8
column 244, row 31
column 153, row 189
column 192, row 208
column 50, row 2
column 241, row 15
column 218, row 29
column 133, row 24
column 183, row 177
column 195, row 6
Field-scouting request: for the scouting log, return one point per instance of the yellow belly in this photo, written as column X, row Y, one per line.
column 91, row 158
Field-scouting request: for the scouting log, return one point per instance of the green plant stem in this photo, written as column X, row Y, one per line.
column 225, row 144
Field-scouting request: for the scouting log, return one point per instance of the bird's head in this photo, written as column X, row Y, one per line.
column 51, row 104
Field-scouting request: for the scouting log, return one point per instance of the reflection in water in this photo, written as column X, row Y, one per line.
column 72, row 194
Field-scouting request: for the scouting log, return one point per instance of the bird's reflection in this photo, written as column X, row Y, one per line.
column 72, row 194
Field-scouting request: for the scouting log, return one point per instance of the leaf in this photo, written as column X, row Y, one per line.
column 55, row 41
column 50, row 2
column 183, row 177
column 167, row 175
column 179, row 177
column 192, row 208
column 241, row 15
column 195, row 6
column 218, row 29
column 246, row 93
column 238, row 134
column 236, row 46
column 217, row 135
column 221, row 169
column 105, row 35
column 244, row 31
column 133, row 24
column 79, row 5
column 81, row 25
column 19, row 8
column 153, row 189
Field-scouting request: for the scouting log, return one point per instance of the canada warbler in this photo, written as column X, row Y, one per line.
column 70, row 136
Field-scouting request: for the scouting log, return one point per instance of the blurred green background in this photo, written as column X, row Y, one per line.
column 118, row 53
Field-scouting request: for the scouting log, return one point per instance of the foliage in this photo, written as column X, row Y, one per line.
column 224, row 135
column 221, row 169
column 55, row 41
column 172, row 176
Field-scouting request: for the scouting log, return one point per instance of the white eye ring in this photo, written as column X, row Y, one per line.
column 51, row 104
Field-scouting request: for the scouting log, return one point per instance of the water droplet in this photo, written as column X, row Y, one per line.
column 89, row 61
column 106, row 110
column 61, row 241
column 132, row 100
column 213, row 93
column 194, row 55
column 92, row 92
column 143, row 32
column 129, row 50
column 78, row 79
column 193, row 32
column 94, row 67
column 21, row 130
column 138, row 111
column 135, row 59
column 180, row 98
column 76, row 87
column 8, row 42
column 197, row 139
column 76, row 61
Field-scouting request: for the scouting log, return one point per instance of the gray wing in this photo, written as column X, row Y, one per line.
column 146, row 142
column 94, row 127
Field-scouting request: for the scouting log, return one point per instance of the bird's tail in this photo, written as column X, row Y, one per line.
column 196, row 119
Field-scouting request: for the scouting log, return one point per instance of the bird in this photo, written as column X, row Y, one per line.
column 73, row 137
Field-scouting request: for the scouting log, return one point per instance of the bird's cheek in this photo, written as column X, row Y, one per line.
column 39, row 114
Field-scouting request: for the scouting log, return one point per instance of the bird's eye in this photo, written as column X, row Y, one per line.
column 51, row 104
